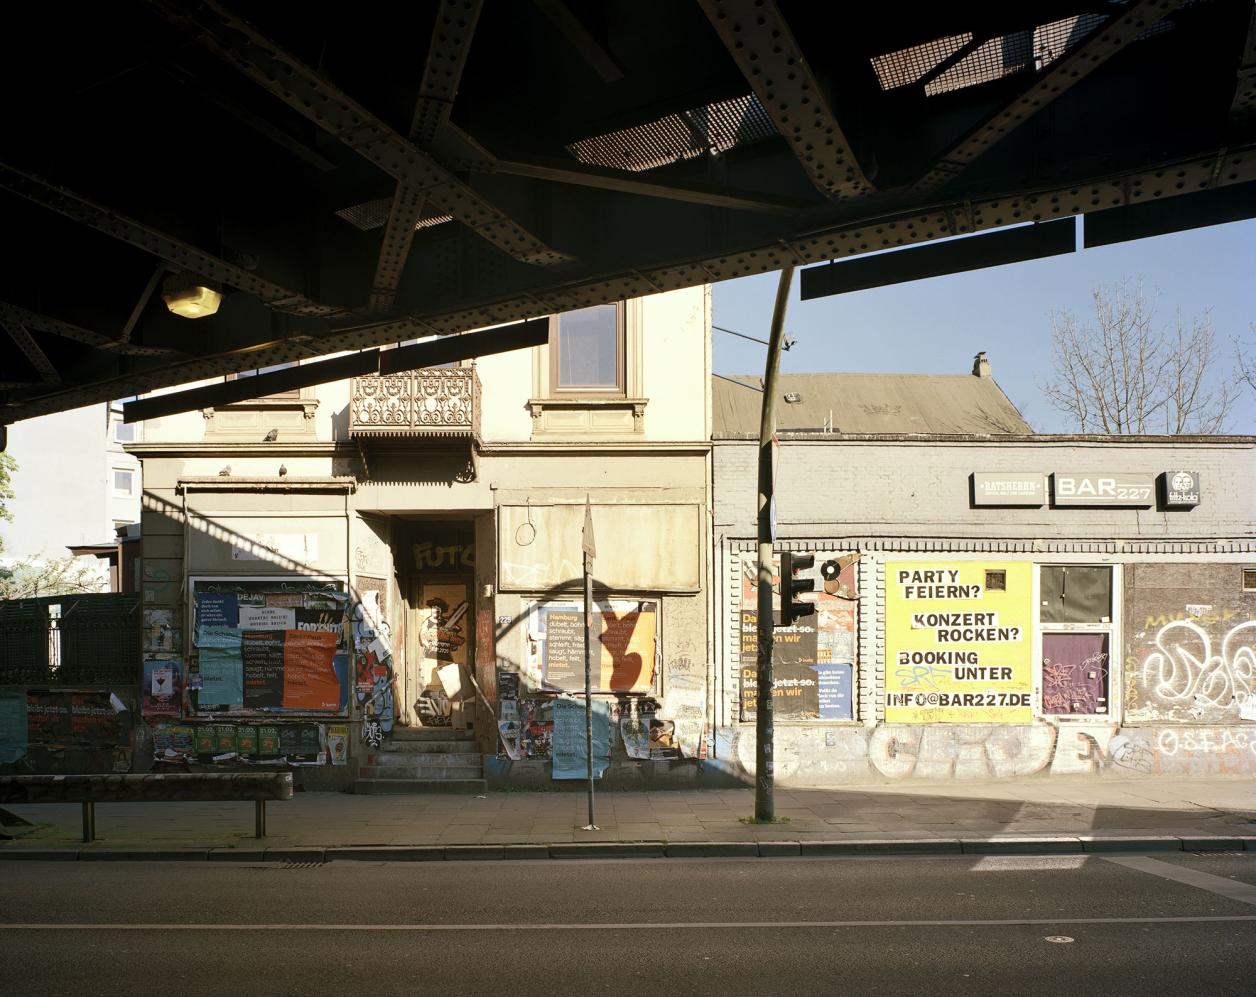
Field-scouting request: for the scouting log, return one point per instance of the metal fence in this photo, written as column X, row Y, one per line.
column 70, row 640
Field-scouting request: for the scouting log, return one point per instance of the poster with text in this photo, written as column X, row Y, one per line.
column 958, row 645
column 162, row 691
column 570, row 744
column 270, row 645
column 623, row 647
column 806, row 685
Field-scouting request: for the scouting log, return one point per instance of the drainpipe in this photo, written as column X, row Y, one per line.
column 764, row 808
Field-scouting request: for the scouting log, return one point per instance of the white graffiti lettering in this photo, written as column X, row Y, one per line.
column 1205, row 741
column 1184, row 670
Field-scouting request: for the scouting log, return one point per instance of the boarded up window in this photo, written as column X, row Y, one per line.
column 1075, row 594
column 1074, row 673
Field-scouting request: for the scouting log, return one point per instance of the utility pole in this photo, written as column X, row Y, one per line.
column 764, row 806
column 589, row 549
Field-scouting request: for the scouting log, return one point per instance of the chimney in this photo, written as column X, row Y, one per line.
column 981, row 366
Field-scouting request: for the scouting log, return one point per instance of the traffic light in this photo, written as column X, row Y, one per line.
column 794, row 584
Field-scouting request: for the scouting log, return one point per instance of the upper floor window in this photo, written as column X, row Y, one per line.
column 119, row 431
column 587, row 350
column 123, row 482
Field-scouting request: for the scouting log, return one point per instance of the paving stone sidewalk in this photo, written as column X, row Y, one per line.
column 1222, row 812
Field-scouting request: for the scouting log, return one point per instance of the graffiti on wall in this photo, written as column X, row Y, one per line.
column 819, row 757
column 374, row 677
column 1188, row 671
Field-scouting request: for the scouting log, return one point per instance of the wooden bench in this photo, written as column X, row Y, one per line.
column 199, row 787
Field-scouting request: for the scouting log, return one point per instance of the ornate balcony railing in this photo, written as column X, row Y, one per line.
column 434, row 403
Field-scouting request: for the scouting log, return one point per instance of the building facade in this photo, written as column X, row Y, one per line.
column 75, row 487
column 989, row 603
column 333, row 575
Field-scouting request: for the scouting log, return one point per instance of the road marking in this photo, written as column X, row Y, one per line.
column 1242, row 892
column 1028, row 863
column 639, row 926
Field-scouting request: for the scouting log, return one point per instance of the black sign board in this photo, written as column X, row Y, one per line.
column 299, row 742
column 1180, row 489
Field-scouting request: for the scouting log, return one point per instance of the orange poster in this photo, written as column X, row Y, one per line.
column 309, row 677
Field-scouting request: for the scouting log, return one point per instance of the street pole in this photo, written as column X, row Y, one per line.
column 588, row 679
column 764, row 808
column 589, row 549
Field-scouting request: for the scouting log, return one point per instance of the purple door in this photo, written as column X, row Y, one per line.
column 1074, row 673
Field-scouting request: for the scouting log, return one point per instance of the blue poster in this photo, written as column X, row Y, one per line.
column 834, row 686
column 570, row 760
column 221, row 667
column 215, row 609
column 13, row 734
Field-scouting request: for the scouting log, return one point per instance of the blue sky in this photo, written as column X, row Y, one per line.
column 935, row 326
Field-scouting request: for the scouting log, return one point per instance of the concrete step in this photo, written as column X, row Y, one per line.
column 430, row 746
column 402, row 734
column 403, row 759
column 420, row 772
column 368, row 787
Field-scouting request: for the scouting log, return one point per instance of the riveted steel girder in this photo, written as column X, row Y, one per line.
column 307, row 92
column 30, row 349
column 167, row 247
column 1125, row 25
column 68, row 330
column 446, row 57
column 823, row 242
column 763, row 46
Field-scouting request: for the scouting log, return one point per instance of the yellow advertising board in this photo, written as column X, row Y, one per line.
column 958, row 642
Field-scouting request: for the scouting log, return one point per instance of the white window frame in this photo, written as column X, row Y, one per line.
column 1116, row 656
column 117, row 492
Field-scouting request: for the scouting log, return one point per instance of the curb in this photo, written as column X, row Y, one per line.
column 996, row 845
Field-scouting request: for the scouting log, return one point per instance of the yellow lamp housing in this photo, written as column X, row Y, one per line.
column 189, row 297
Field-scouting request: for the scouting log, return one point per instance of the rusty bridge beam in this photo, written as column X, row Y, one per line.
column 68, row 330
column 1062, row 75
column 26, row 343
column 160, row 244
column 311, row 95
column 761, row 43
column 442, row 72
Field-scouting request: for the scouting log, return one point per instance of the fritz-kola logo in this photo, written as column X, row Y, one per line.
column 1182, row 481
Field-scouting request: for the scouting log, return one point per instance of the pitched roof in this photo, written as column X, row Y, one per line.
column 943, row 404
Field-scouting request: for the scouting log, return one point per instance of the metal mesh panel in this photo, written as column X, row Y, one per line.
column 995, row 59
column 1016, row 52
column 907, row 65
column 731, row 123
column 714, row 127
column 70, row 640
column 371, row 215
column 1052, row 40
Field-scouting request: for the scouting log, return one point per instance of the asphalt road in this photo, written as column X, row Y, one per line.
column 1002, row 924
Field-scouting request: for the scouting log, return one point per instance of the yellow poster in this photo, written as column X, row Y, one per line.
column 958, row 644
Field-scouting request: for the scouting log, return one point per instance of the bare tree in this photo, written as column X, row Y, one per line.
column 30, row 578
column 1121, row 371
column 1244, row 364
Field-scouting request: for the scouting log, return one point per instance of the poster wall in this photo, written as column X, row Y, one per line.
column 269, row 645
column 958, row 642
column 813, row 661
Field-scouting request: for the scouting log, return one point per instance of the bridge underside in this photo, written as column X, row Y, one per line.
column 355, row 175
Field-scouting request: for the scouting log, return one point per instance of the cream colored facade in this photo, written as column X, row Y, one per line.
column 395, row 515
